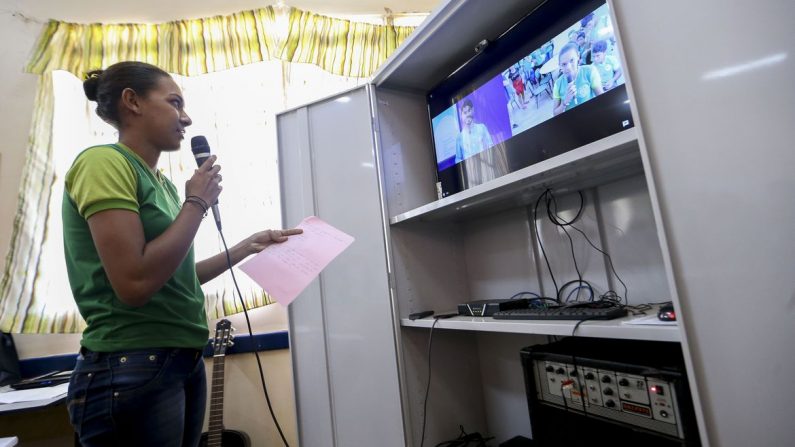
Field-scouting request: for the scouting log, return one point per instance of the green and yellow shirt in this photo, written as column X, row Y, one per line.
column 114, row 177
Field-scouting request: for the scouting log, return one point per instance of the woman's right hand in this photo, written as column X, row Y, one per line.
column 205, row 182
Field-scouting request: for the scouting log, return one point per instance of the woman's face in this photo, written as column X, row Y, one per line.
column 164, row 117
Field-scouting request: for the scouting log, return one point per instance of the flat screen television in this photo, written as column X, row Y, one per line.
column 550, row 84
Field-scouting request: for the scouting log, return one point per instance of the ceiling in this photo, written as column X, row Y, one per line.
column 156, row 11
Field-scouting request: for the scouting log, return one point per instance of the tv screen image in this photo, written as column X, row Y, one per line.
column 509, row 109
column 475, row 123
column 574, row 67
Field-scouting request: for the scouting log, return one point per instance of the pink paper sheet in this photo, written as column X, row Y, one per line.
column 284, row 270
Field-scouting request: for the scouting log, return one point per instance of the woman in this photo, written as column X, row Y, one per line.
column 139, row 378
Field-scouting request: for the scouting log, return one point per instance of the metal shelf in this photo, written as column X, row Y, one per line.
column 591, row 328
column 602, row 161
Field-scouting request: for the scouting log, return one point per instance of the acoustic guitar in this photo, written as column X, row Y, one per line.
column 216, row 435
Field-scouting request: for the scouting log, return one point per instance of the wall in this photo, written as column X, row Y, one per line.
column 245, row 408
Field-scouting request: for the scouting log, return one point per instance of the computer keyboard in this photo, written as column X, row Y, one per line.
column 562, row 313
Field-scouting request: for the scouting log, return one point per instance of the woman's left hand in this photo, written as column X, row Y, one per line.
column 260, row 240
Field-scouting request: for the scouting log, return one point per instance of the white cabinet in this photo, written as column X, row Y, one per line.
column 342, row 335
column 680, row 180
column 716, row 103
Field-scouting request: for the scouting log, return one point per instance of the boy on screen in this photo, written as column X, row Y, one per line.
column 608, row 66
column 576, row 84
column 474, row 137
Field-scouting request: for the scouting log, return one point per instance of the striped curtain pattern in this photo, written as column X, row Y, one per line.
column 16, row 288
column 193, row 47
column 186, row 47
column 340, row 46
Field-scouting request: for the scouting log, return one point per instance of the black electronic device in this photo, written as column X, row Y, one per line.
column 615, row 392
column 562, row 313
column 508, row 108
column 418, row 315
column 487, row 308
column 667, row 312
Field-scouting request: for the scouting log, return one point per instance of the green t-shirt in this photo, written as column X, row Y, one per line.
column 608, row 68
column 586, row 81
column 114, row 177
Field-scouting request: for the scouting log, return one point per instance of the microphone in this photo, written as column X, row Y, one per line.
column 201, row 152
column 569, row 77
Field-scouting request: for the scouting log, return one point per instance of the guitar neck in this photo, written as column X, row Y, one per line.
column 216, row 424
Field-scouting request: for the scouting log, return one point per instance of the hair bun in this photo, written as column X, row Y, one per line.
column 91, row 84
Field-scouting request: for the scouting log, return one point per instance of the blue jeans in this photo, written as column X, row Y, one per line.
column 147, row 397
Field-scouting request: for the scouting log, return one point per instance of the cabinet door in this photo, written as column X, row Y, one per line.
column 341, row 328
column 715, row 99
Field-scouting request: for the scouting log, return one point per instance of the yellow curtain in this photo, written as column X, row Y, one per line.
column 19, row 275
column 192, row 47
column 340, row 46
column 187, row 47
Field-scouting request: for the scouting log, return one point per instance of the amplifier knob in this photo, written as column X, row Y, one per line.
column 610, row 404
column 561, row 371
column 608, row 391
column 623, row 382
column 550, row 368
column 663, row 413
column 606, row 379
column 589, row 376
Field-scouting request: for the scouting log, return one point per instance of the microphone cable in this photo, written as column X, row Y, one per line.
column 251, row 334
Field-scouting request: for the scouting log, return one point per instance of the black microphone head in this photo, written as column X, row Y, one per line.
column 200, row 148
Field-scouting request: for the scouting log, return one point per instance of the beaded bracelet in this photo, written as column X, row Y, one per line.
column 198, row 201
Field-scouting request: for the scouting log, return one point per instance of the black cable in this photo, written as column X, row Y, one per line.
column 464, row 439
column 581, row 284
column 427, row 387
column 641, row 309
column 583, row 386
column 541, row 244
column 517, row 295
column 556, row 220
column 581, row 322
column 609, row 260
column 577, row 289
column 250, row 333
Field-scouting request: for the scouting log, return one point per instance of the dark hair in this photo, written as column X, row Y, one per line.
column 467, row 103
column 586, row 19
column 105, row 86
column 571, row 46
column 599, row 47
column 581, row 34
